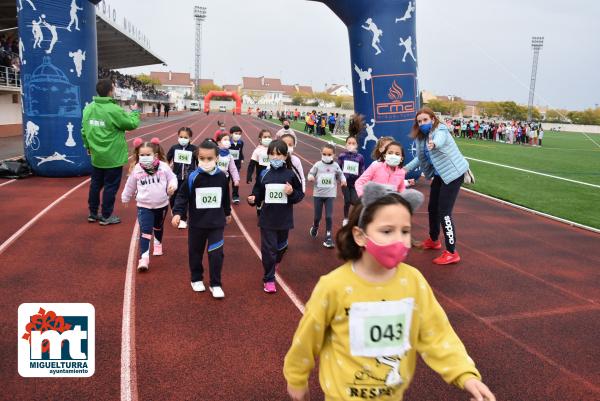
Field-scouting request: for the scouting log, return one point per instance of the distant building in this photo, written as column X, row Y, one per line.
column 269, row 91
column 339, row 90
column 177, row 84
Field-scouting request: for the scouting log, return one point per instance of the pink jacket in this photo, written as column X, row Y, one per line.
column 151, row 189
column 381, row 173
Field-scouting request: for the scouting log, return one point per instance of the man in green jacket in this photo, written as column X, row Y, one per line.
column 103, row 131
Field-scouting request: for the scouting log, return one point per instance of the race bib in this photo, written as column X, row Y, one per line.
column 183, row 156
column 223, row 163
column 350, row 167
column 235, row 154
column 326, row 181
column 208, row 198
column 275, row 193
column 380, row 328
column 263, row 160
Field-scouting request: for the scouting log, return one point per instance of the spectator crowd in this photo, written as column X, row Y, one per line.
column 513, row 132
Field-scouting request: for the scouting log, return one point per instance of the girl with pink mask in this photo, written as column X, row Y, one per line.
column 367, row 320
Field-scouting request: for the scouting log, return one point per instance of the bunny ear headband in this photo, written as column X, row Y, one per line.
column 374, row 191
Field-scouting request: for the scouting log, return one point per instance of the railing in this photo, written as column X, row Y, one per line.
column 9, row 78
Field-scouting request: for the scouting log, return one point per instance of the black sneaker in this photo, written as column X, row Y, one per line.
column 236, row 200
column 328, row 243
column 314, row 231
column 92, row 218
column 105, row 221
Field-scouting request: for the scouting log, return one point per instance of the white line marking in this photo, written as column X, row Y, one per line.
column 38, row 216
column 590, row 138
column 7, row 182
column 290, row 293
column 549, row 216
column 129, row 387
column 534, row 172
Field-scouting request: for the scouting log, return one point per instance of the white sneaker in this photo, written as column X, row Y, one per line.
column 182, row 224
column 217, row 292
column 198, row 286
column 344, row 222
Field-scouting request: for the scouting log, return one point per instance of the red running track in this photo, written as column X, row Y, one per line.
column 525, row 298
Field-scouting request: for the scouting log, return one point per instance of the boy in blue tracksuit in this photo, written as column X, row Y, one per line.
column 206, row 195
column 277, row 190
column 237, row 152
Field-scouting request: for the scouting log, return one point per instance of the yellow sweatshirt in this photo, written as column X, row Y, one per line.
column 388, row 323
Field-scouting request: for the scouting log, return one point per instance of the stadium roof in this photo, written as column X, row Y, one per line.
column 116, row 48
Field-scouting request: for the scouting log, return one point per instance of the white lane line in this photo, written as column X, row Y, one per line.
column 129, row 388
column 590, row 138
column 534, row 172
column 286, row 288
column 7, row 182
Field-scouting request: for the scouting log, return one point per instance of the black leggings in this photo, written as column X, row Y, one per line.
column 441, row 203
column 328, row 203
column 350, row 198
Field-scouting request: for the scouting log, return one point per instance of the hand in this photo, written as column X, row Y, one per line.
column 478, row 391
column 133, row 107
column 299, row 395
column 288, row 189
column 249, row 181
column 236, row 183
column 344, row 184
column 411, row 182
column 171, row 190
column 311, row 178
column 430, row 144
column 227, row 219
column 251, row 199
column 175, row 221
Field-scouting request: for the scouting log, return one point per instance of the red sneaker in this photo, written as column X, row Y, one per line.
column 447, row 258
column 430, row 244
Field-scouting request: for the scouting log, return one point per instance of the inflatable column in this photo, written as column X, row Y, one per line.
column 383, row 49
column 59, row 73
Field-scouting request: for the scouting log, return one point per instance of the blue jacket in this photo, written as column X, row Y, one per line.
column 446, row 159
column 277, row 216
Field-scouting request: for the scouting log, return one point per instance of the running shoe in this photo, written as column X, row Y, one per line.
column 143, row 265
column 182, row 224
column 105, row 221
column 269, row 287
column 217, row 292
column 92, row 218
column 314, row 231
column 328, row 243
column 158, row 250
column 447, row 258
column 236, row 200
column 431, row 244
column 198, row 286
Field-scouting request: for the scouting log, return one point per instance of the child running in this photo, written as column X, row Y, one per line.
column 379, row 148
column 290, row 140
column 237, row 152
column 152, row 180
column 226, row 163
column 181, row 159
column 352, row 164
column 220, row 130
column 367, row 319
column 325, row 174
column 387, row 170
column 259, row 161
column 206, row 195
column 277, row 190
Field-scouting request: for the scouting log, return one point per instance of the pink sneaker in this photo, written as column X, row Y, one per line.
column 158, row 251
column 143, row 265
column 270, row 287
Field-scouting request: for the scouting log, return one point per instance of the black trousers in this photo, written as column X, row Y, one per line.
column 198, row 238
column 273, row 244
column 110, row 180
column 350, row 198
column 441, row 202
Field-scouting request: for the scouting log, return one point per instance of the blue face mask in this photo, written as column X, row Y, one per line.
column 426, row 128
column 276, row 163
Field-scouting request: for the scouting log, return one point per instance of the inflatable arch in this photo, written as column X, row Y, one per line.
column 59, row 73
column 234, row 95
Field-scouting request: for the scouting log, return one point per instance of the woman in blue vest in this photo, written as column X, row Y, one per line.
column 439, row 160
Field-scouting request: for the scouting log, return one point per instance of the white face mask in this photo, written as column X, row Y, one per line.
column 184, row 141
column 237, row 137
column 393, row 160
column 351, row 148
column 266, row 141
column 146, row 160
column 225, row 144
column 327, row 159
column 207, row 166
column 290, row 150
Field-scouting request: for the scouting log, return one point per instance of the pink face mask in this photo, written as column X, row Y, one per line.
column 388, row 256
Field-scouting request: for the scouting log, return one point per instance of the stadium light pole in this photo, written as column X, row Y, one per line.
column 537, row 42
column 200, row 17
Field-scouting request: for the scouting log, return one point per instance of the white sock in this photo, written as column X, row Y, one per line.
column 146, row 255
column 156, row 242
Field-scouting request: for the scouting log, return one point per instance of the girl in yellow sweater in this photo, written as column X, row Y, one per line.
column 367, row 319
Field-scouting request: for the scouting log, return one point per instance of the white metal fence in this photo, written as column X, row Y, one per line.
column 9, row 78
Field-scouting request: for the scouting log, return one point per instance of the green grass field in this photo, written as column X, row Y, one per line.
column 569, row 155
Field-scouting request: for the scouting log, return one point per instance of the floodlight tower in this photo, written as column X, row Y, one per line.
column 537, row 42
column 200, row 17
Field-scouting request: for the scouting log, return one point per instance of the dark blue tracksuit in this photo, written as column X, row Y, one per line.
column 275, row 219
column 181, row 171
column 205, row 225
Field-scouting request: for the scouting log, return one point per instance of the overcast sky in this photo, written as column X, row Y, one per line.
column 475, row 49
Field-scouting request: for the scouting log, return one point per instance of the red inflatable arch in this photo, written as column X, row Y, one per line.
column 233, row 95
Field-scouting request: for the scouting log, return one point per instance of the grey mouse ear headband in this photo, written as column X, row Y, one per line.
column 374, row 191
